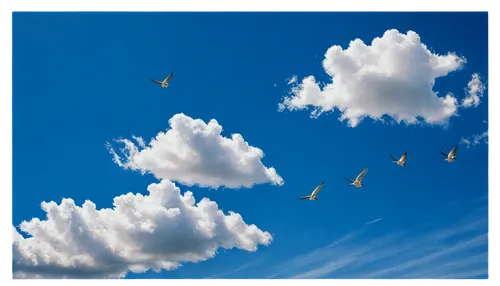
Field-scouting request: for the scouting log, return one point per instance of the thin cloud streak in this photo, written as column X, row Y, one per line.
column 434, row 253
column 236, row 270
column 314, row 256
column 374, row 221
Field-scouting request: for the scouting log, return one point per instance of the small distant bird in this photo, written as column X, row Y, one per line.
column 357, row 183
column 163, row 83
column 313, row 197
column 450, row 157
column 401, row 161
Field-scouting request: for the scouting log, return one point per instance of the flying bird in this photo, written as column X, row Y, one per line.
column 313, row 197
column 357, row 183
column 450, row 157
column 401, row 161
column 163, row 83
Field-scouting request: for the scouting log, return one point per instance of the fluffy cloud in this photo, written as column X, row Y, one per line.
column 393, row 76
column 475, row 139
column 475, row 89
column 157, row 231
column 193, row 152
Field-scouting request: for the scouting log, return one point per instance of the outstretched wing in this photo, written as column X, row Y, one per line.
column 404, row 156
column 318, row 188
column 394, row 159
column 444, row 154
column 155, row 81
column 454, row 151
column 305, row 197
column 168, row 77
column 360, row 176
column 349, row 180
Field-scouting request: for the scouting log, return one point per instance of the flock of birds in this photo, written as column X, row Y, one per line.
column 450, row 157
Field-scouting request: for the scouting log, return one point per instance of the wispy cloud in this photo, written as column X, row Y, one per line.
column 233, row 271
column 475, row 139
column 456, row 251
column 374, row 221
column 291, row 80
column 475, row 90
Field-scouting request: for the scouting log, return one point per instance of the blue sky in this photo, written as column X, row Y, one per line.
column 88, row 76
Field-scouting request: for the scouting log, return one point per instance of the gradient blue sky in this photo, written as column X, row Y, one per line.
column 81, row 79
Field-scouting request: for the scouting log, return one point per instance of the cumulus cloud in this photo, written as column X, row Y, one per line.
column 157, row 231
column 475, row 90
column 194, row 152
column 475, row 139
column 394, row 76
column 459, row 250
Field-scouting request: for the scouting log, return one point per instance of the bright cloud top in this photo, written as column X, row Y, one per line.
column 475, row 139
column 157, row 231
column 393, row 76
column 475, row 89
column 193, row 152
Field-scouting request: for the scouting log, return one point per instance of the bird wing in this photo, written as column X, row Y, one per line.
column 360, row 176
column 155, row 81
column 394, row 159
column 444, row 154
column 168, row 77
column 349, row 180
column 454, row 151
column 316, row 191
column 404, row 156
column 305, row 197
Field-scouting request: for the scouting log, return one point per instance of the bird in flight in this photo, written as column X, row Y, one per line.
column 163, row 83
column 357, row 183
column 313, row 197
column 450, row 157
column 401, row 161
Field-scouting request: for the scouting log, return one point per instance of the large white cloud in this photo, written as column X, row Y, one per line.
column 393, row 76
column 157, row 231
column 193, row 152
column 475, row 89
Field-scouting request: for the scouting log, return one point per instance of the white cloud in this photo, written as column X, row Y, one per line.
column 435, row 252
column 393, row 76
column 193, row 152
column 292, row 80
column 157, row 231
column 475, row 89
column 475, row 139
